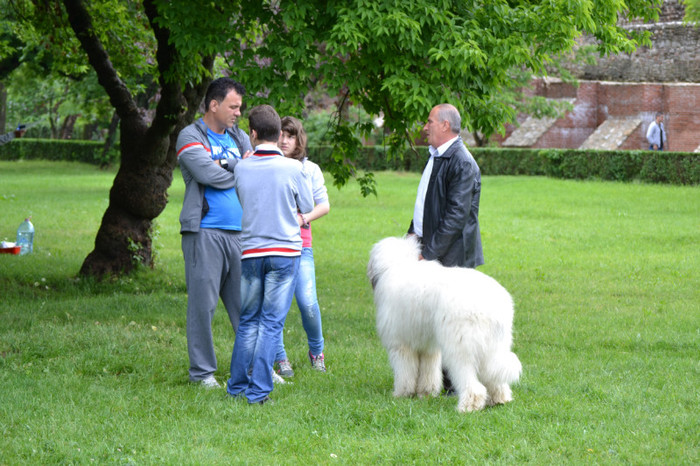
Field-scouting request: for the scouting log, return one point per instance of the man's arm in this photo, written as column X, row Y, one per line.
column 651, row 133
column 195, row 157
column 304, row 197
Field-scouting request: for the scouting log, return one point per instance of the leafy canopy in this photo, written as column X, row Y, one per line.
column 401, row 57
column 692, row 10
column 397, row 58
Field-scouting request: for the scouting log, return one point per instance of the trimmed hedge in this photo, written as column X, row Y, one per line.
column 58, row 149
column 681, row 168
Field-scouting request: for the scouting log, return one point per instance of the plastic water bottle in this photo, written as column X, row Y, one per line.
column 25, row 237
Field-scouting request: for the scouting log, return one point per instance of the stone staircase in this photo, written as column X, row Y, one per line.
column 527, row 134
column 611, row 134
column 530, row 131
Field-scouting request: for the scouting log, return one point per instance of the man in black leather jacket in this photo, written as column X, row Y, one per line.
column 447, row 205
column 446, row 213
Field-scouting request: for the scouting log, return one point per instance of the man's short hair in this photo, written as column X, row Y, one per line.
column 219, row 88
column 294, row 127
column 266, row 123
column 658, row 114
column 451, row 114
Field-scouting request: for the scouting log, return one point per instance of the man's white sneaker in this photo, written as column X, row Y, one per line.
column 277, row 379
column 210, row 382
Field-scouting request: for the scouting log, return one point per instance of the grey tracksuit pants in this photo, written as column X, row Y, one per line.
column 212, row 270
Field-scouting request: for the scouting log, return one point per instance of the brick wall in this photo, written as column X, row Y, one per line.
column 597, row 101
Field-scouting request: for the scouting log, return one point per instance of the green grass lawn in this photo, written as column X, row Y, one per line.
column 605, row 277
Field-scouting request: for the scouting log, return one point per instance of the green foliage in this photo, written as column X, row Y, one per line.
column 692, row 10
column 59, row 150
column 394, row 58
column 399, row 59
column 54, row 80
column 121, row 26
column 319, row 126
column 606, row 326
column 650, row 166
column 43, row 101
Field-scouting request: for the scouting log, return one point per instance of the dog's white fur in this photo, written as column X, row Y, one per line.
column 429, row 315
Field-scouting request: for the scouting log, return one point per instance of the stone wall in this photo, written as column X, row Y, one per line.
column 673, row 57
column 671, row 10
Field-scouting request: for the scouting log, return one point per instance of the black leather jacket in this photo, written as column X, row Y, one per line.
column 451, row 213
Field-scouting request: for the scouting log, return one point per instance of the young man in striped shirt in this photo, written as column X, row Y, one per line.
column 272, row 189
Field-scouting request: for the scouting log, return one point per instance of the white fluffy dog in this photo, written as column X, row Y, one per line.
column 429, row 315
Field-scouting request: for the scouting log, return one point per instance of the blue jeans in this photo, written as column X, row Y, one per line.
column 267, row 287
column 305, row 293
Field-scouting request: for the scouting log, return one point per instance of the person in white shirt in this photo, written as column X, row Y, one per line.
column 656, row 133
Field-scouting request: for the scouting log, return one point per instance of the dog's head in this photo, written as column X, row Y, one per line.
column 391, row 252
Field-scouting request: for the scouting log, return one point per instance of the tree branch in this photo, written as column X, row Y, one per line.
column 119, row 95
column 178, row 103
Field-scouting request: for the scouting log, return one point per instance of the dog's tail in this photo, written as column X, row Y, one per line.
column 503, row 367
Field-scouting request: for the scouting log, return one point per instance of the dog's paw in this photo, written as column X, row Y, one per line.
column 500, row 395
column 471, row 402
column 428, row 390
column 428, row 394
column 404, row 393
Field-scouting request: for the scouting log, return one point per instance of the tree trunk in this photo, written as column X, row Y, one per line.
column 3, row 108
column 124, row 240
column 479, row 139
column 67, row 126
column 139, row 191
column 88, row 130
column 52, row 119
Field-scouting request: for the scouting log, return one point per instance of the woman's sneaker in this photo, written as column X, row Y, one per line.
column 317, row 362
column 284, row 368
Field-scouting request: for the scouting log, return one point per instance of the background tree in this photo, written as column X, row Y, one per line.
column 131, row 54
column 9, row 56
column 399, row 58
column 51, row 94
column 692, row 10
column 393, row 57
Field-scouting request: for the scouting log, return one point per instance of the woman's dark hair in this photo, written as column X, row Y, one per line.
column 294, row 127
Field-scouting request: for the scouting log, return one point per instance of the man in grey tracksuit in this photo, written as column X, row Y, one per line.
column 211, row 221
